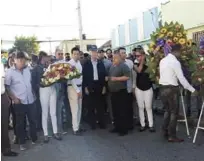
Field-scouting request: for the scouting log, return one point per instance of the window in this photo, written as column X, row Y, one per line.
column 197, row 35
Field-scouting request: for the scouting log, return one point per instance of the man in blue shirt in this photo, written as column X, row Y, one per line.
column 18, row 85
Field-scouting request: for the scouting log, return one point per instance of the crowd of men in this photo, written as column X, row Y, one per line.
column 110, row 83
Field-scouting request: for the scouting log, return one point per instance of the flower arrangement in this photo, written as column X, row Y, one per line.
column 162, row 40
column 198, row 74
column 59, row 72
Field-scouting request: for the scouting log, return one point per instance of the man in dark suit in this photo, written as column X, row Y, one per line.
column 94, row 74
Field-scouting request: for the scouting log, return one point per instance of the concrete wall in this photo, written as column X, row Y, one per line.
column 67, row 45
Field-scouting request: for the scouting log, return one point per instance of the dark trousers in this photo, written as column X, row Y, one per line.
column 21, row 111
column 38, row 113
column 130, row 110
column 96, row 109
column 5, row 142
column 120, row 110
column 169, row 97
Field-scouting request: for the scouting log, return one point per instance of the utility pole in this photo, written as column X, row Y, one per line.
column 80, row 25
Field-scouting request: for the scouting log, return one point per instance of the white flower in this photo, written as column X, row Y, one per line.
column 202, row 58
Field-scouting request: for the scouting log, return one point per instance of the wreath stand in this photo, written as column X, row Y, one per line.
column 198, row 124
column 184, row 113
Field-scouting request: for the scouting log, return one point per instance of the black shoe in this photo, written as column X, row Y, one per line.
column 114, row 130
column 102, row 126
column 82, row 130
column 152, row 129
column 57, row 137
column 10, row 154
column 77, row 133
column 46, row 139
column 122, row 133
column 141, row 129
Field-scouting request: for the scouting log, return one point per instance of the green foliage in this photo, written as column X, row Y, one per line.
column 27, row 44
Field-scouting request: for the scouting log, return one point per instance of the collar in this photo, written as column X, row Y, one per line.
column 14, row 67
column 94, row 61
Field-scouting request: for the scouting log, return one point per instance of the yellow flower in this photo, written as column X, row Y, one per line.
column 189, row 43
column 157, row 48
column 152, row 44
column 178, row 26
column 163, row 30
column 170, row 34
column 179, row 34
column 182, row 41
column 161, row 36
column 175, row 39
column 185, row 32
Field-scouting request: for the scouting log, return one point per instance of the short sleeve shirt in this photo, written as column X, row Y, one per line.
column 19, row 83
column 118, row 71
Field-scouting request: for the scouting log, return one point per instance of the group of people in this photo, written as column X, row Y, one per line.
column 110, row 82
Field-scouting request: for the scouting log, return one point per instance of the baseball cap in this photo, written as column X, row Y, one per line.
column 93, row 48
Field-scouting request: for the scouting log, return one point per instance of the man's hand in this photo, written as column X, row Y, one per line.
column 79, row 95
column 113, row 78
column 195, row 93
column 107, row 79
column 16, row 101
column 86, row 91
column 104, row 90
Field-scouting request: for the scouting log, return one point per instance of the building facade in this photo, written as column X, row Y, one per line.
column 136, row 31
column 67, row 45
column 188, row 13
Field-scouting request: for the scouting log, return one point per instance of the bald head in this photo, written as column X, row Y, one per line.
column 117, row 59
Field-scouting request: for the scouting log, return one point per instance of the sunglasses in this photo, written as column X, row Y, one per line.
column 137, row 56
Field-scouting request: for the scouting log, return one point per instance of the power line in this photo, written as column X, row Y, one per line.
column 37, row 26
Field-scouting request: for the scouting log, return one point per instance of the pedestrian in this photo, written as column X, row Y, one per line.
column 130, row 86
column 144, row 92
column 94, row 74
column 74, row 90
column 5, row 103
column 109, row 54
column 37, row 73
column 18, row 85
column 170, row 73
column 48, row 100
column 60, row 89
column 117, row 81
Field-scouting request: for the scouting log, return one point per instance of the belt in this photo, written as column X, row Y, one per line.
column 78, row 85
column 168, row 86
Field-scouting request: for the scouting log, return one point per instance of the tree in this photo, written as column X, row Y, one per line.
column 28, row 44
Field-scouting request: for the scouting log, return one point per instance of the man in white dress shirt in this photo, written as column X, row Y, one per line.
column 74, row 90
column 170, row 73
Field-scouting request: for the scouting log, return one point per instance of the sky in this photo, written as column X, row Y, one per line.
column 98, row 17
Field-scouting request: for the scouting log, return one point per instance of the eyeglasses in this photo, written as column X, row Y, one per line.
column 60, row 53
column 137, row 56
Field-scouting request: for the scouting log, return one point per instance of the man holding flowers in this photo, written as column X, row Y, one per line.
column 74, row 91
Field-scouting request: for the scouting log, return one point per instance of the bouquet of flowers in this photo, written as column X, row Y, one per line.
column 59, row 72
column 198, row 74
column 162, row 40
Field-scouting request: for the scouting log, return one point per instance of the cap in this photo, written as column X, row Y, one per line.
column 93, row 48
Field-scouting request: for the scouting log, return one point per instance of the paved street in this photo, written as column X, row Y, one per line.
column 100, row 145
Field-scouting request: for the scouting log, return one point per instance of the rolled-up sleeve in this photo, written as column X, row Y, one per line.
column 8, row 77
